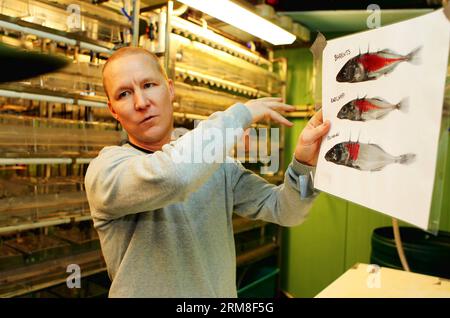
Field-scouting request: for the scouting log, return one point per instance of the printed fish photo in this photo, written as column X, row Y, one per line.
column 387, row 85
column 365, row 109
column 364, row 157
column 371, row 66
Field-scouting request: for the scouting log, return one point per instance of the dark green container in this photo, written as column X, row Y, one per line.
column 38, row 248
column 425, row 253
column 10, row 258
column 81, row 240
column 261, row 284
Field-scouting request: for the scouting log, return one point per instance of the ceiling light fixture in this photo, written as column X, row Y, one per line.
column 231, row 13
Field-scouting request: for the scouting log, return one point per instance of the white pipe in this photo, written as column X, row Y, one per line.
column 39, row 161
column 50, row 36
column 167, row 33
column 46, row 98
column 49, row 98
column 162, row 19
column 95, row 48
column 43, row 34
column 89, row 103
column 136, row 8
column 58, row 38
column 39, row 224
column 34, row 161
column 83, row 160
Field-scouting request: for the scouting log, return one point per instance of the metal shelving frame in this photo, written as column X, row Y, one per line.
column 174, row 25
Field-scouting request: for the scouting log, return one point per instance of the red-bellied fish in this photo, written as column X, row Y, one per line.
column 365, row 157
column 364, row 109
column 370, row 66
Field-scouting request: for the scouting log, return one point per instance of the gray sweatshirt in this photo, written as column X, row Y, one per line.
column 165, row 225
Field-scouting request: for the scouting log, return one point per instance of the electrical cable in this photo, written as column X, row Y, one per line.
column 398, row 244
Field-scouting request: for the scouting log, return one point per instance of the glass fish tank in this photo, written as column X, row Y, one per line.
column 94, row 22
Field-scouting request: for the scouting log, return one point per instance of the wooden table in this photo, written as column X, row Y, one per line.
column 369, row 281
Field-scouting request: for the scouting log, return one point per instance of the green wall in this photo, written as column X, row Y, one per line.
column 337, row 233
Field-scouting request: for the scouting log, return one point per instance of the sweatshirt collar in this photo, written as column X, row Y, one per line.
column 139, row 148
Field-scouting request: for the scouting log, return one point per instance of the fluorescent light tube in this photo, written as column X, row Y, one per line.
column 231, row 13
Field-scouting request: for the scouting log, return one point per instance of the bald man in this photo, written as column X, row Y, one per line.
column 164, row 222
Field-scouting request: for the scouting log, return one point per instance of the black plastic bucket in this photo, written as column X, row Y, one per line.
column 425, row 253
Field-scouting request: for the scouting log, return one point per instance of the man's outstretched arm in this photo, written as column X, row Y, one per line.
column 287, row 204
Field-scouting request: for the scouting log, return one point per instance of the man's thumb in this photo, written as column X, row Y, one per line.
column 316, row 133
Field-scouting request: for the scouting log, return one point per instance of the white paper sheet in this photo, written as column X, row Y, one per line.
column 403, row 187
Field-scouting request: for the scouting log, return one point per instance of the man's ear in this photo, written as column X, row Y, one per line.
column 171, row 90
column 113, row 112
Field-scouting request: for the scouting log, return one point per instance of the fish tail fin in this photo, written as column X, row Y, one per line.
column 403, row 106
column 414, row 56
column 406, row 159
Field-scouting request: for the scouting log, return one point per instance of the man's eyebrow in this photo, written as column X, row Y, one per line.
column 149, row 79
column 125, row 87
